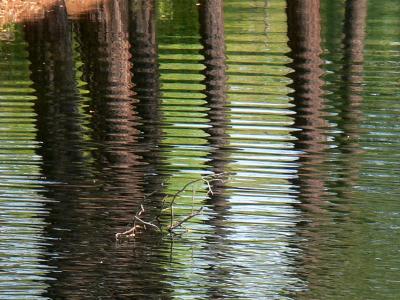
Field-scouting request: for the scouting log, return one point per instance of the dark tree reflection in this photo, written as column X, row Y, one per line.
column 91, row 150
column 59, row 125
column 304, row 42
column 105, row 45
column 105, row 50
column 53, row 77
column 350, row 110
column 147, row 87
column 304, row 33
column 213, row 41
column 144, row 50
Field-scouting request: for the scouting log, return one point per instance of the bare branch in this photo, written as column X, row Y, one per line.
column 138, row 215
column 147, row 223
column 185, row 219
column 209, row 187
column 126, row 234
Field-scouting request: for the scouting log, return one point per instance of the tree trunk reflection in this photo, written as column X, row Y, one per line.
column 105, row 50
column 304, row 33
column 305, row 43
column 215, row 81
column 350, row 114
column 60, row 127
column 147, row 88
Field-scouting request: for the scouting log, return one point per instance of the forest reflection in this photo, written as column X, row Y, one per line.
column 95, row 73
column 102, row 181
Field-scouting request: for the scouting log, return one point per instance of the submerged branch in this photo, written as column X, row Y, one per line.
column 147, row 223
column 185, row 219
column 131, row 233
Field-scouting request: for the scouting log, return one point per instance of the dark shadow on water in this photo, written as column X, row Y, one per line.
column 146, row 78
column 53, row 75
column 93, row 152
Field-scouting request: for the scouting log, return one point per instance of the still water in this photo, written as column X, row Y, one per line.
column 125, row 102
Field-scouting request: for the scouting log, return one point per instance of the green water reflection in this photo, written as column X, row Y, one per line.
column 23, row 265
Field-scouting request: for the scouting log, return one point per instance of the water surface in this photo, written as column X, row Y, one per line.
column 123, row 103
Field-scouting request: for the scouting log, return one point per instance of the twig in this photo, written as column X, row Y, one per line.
column 138, row 213
column 147, row 223
column 193, row 194
column 126, row 234
column 137, row 217
column 153, row 192
column 204, row 179
column 185, row 219
column 209, row 187
column 207, row 179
